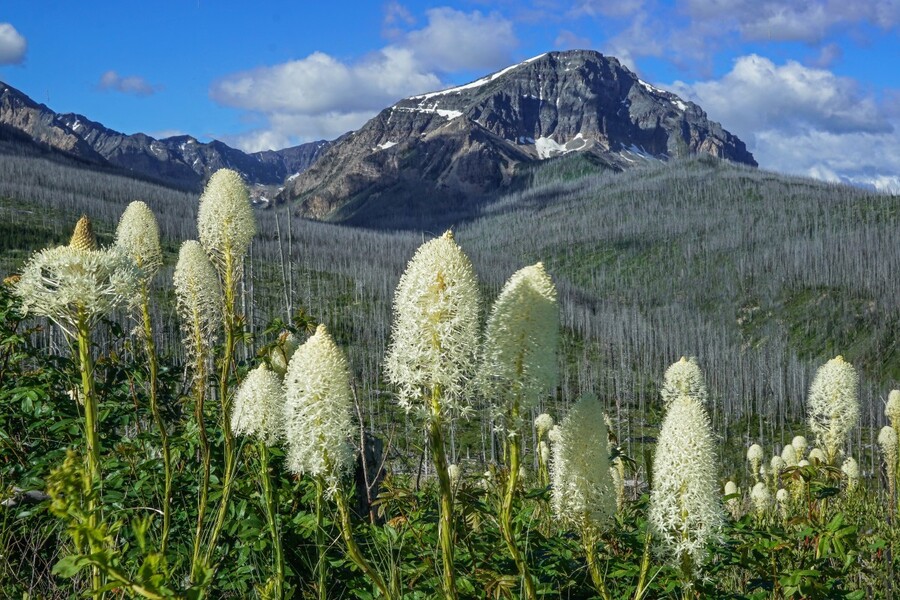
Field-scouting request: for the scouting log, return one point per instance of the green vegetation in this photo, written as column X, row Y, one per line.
column 761, row 277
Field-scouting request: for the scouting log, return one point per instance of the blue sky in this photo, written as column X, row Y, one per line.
column 813, row 87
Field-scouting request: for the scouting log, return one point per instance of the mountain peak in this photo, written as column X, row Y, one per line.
column 461, row 145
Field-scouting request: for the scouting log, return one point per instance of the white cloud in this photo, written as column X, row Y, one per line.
column 454, row 41
column 777, row 20
column 132, row 84
column 12, row 45
column 803, row 120
column 606, row 8
column 568, row 40
column 321, row 96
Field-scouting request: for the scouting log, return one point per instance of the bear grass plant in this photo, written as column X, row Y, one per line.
column 126, row 473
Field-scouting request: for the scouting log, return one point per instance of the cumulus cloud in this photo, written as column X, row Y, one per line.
column 12, row 45
column 132, row 84
column 322, row 96
column 803, row 120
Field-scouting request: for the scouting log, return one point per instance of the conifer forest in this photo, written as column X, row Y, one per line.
column 674, row 382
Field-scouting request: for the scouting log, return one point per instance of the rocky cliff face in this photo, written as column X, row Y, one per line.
column 455, row 147
column 181, row 160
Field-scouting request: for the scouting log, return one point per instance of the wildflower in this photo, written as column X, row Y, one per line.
column 543, row 422
column 755, row 457
column 851, row 471
column 259, row 406
column 777, row 465
column 685, row 507
column 833, row 405
column 734, row 502
column 544, row 451
column 519, row 364
column 225, row 221
column 198, row 298
column 583, row 493
column 782, row 499
column 684, row 378
column 75, row 286
column 281, row 353
column 887, row 439
column 761, row 498
column 435, row 330
column 789, row 456
column 817, row 456
column 453, row 471
column 800, row 445
column 318, row 401
column 892, row 409
column 138, row 237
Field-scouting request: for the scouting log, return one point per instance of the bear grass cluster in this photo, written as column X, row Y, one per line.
column 237, row 466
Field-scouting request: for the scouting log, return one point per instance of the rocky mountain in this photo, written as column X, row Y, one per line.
column 450, row 149
column 182, row 161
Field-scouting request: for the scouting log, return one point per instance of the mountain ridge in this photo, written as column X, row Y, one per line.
column 452, row 149
column 181, row 161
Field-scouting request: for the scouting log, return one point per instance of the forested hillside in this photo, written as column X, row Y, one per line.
column 760, row 276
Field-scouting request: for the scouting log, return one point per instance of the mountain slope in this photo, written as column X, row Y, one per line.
column 182, row 161
column 449, row 150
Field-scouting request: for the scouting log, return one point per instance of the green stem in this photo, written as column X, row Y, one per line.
column 353, row 550
column 157, row 417
column 199, row 416
column 506, row 527
column 445, row 525
column 590, row 550
column 230, row 286
column 92, row 439
column 272, row 517
column 641, row 588
column 320, row 537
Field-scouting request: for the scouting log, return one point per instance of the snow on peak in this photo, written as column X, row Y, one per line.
column 672, row 98
column 477, row 82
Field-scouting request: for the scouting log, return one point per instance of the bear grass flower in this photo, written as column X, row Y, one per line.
column 198, row 298
column 542, row 423
column 800, row 445
column 138, row 237
column 789, row 456
column 435, row 328
column 318, row 401
column 685, row 504
column 816, row 455
column 761, row 498
column 755, row 457
column 833, row 405
column 225, row 221
column 259, row 406
column 281, row 353
column 76, row 285
column 777, row 464
column 582, row 494
column 892, row 409
column 518, row 363
column 850, row 469
column 684, row 378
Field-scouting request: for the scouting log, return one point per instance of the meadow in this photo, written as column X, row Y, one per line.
column 125, row 473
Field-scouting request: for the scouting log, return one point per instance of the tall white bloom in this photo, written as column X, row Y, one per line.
column 733, row 504
column 755, row 457
column 282, row 352
column 582, row 489
column 138, row 237
column 887, row 439
column 225, row 220
column 542, row 423
column 78, row 282
column 892, row 409
column 817, row 455
column 318, row 404
column 259, row 406
column 685, row 505
column 851, row 471
column 800, row 445
column 518, row 363
column 684, row 378
column 833, row 405
column 783, row 499
column 198, row 297
column 761, row 498
column 778, row 465
column 435, row 328
column 789, row 456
